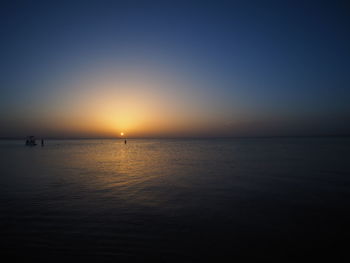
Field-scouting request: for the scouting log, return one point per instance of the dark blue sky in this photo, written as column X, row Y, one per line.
column 246, row 67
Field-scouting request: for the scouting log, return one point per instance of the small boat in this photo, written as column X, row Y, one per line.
column 30, row 141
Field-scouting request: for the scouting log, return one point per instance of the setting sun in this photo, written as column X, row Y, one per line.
column 122, row 133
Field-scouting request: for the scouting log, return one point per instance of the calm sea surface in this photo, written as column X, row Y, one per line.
column 175, row 200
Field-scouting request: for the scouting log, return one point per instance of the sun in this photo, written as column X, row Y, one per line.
column 122, row 133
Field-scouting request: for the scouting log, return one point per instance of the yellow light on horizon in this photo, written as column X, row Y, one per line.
column 141, row 106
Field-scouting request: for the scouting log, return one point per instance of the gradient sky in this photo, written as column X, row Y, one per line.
column 174, row 68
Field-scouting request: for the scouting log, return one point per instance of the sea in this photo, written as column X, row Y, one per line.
column 176, row 200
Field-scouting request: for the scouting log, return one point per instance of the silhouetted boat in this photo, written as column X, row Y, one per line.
column 30, row 141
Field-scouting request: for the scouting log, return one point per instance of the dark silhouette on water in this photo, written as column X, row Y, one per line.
column 125, row 141
column 30, row 141
column 42, row 142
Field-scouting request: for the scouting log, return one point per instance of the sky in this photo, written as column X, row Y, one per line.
column 94, row 69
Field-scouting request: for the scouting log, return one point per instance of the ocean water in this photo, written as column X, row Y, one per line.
column 176, row 200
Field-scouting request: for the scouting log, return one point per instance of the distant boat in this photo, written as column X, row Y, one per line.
column 30, row 141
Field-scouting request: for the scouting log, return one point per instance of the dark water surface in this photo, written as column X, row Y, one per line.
column 176, row 200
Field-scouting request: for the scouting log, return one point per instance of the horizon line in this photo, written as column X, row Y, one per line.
column 180, row 137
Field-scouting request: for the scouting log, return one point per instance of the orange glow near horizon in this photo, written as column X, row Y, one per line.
column 139, row 106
